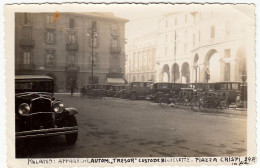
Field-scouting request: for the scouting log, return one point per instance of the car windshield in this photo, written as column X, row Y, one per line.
column 33, row 86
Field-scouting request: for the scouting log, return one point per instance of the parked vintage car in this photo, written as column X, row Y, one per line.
column 137, row 90
column 94, row 90
column 158, row 90
column 118, row 90
column 241, row 96
column 229, row 87
column 38, row 113
column 107, row 88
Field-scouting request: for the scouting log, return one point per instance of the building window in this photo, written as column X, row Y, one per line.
column 166, row 38
column 27, row 32
column 199, row 36
column 193, row 39
column 50, row 19
column 72, row 38
column 185, row 48
column 176, row 21
column 186, row 32
column 227, row 28
column 71, row 61
column 212, row 32
column 114, row 28
column 94, row 25
column 227, row 53
column 27, row 19
column 50, row 37
column 72, row 23
column 166, row 51
column 166, row 23
column 26, row 58
column 186, row 18
column 115, row 43
column 50, row 57
column 227, row 72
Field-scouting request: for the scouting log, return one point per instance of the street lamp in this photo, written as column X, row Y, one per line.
column 93, row 34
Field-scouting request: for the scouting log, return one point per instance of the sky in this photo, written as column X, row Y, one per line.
column 144, row 19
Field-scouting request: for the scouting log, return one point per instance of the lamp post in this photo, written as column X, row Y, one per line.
column 93, row 34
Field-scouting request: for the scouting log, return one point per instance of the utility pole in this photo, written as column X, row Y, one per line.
column 93, row 34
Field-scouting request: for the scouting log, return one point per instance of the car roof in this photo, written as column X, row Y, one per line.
column 226, row 82
column 171, row 83
column 32, row 77
column 141, row 82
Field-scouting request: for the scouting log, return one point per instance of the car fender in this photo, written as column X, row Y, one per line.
column 158, row 93
column 71, row 111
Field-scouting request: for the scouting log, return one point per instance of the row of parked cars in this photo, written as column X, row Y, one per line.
column 237, row 92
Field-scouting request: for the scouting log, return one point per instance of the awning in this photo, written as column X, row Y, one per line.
column 115, row 81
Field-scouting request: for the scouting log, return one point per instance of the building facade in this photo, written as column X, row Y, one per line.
column 207, row 45
column 194, row 45
column 140, row 65
column 67, row 46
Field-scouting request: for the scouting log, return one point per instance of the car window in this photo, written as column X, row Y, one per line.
column 142, row 85
column 135, row 84
column 149, row 85
column 223, row 86
column 235, row 86
column 34, row 86
column 164, row 86
column 23, row 85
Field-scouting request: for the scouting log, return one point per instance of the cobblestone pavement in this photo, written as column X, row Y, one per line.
column 112, row 127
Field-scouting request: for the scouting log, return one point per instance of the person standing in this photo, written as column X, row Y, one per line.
column 72, row 87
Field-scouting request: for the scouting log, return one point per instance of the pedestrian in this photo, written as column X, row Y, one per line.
column 71, row 89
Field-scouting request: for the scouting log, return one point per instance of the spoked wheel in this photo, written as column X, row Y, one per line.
column 158, row 98
column 133, row 96
column 195, row 105
column 120, row 95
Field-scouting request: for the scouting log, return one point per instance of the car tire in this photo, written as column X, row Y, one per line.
column 120, row 95
column 71, row 121
column 133, row 96
column 158, row 98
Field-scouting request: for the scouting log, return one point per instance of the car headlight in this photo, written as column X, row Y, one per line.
column 24, row 109
column 58, row 107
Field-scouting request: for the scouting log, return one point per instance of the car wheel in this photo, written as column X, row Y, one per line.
column 70, row 122
column 133, row 96
column 120, row 95
column 158, row 98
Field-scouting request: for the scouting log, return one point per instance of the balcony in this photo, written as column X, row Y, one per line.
column 26, row 67
column 72, row 68
column 27, row 43
column 72, row 46
column 115, row 50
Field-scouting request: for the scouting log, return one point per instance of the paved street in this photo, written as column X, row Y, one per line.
column 112, row 127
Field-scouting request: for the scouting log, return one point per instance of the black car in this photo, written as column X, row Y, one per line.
column 158, row 90
column 38, row 113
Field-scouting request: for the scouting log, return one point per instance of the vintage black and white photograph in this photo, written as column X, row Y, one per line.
column 157, row 80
